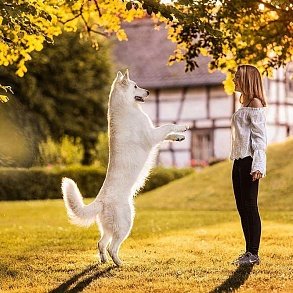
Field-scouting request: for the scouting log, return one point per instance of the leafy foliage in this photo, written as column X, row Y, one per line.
column 44, row 183
column 231, row 32
column 69, row 151
column 65, row 92
column 101, row 150
column 4, row 98
column 27, row 25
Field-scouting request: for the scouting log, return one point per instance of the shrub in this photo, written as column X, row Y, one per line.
column 44, row 183
column 66, row 152
column 101, row 152
column 161, row 176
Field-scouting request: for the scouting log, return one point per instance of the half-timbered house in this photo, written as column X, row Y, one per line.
column 195, row 98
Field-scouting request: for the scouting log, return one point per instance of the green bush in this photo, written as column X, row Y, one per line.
column 101, row 151
column 44, row 183
column 66, row 152
column 161, row 176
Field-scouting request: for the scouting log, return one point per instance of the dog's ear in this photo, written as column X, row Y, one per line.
column 126, row 74
column 119, row 76
column 125, row 78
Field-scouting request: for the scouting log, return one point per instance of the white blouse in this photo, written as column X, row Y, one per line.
column 249, row 137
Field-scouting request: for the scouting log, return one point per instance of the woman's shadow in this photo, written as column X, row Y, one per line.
column 81, row 280
column 235, row 280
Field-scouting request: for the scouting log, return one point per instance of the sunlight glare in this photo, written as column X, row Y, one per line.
column 261, row 6
column 166, row 1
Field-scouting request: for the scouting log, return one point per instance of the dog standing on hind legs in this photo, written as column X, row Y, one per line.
column 133, row 145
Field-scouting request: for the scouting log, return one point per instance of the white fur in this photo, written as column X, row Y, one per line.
column 133, row 145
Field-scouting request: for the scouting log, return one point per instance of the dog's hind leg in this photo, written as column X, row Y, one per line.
column 116, row 242
column 102, row 245
column 124, row 221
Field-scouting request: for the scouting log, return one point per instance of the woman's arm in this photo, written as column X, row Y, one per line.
column 258, row 143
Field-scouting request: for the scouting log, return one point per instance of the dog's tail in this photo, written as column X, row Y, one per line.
column 78, row 213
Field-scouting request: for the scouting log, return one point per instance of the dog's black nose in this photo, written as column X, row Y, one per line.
column 148, row 92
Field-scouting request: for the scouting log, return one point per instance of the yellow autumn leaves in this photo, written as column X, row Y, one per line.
column 41, row 21
column 4, row 98
column 26, row 25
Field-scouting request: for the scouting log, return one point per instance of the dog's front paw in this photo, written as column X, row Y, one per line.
column 175, row 137
column 181, row 128
column 180, row 137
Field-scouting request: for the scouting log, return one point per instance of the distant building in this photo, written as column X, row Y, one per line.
column 195, row 98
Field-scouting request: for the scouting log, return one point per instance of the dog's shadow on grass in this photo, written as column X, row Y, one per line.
column 235, row 280
column 81, row 280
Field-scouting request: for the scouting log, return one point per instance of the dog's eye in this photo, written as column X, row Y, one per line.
column 135, row 86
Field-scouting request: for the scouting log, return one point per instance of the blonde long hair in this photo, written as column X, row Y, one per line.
column 251, row 84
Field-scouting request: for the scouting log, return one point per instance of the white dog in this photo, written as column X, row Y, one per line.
column 133, row 142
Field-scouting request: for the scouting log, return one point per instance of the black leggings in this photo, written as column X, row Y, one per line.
column 246, row 191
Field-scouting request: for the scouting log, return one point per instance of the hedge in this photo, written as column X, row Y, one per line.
column 44, row 183
column 161, row 176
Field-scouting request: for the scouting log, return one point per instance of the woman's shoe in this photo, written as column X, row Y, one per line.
column 249, row 259
column 239, row 258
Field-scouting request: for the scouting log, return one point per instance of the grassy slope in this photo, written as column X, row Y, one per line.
column 212, row 190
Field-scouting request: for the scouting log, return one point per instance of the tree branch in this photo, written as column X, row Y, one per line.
column 98, row 8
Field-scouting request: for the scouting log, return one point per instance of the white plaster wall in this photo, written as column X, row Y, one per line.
column 275, row 133
column 282, row 114
column 272, row 93
column 206, row 123
column 282, row 92
column 182, row 159
column 170, row 94
column 223, row 122
column 169, row 110
column 222, row 139
column 165, row 159
column 290, row 114
column 194, row 109
column 195, row 104
column 221, row 105
column 150, row 108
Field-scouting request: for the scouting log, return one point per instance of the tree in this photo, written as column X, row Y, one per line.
column 65, row 92
column 229, row 31
column 232, row 32
column 26, row 25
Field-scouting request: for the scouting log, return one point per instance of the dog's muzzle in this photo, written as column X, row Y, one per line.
column 139, row 99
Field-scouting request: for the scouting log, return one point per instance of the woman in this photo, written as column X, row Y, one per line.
column 248, row 152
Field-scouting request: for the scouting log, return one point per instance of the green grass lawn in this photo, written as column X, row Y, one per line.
column 184, row 238
column 168, row 250
column 211, row 189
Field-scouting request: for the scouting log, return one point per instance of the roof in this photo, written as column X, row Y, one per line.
column 146, row 54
